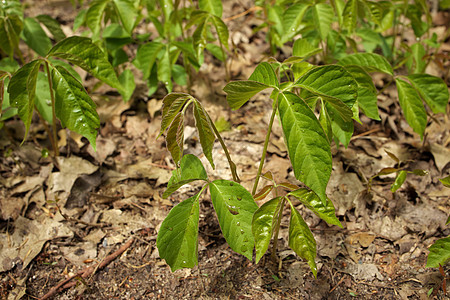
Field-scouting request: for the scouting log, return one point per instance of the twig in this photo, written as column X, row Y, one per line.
column 65, row 284
column 337, row 284
column 251, row 9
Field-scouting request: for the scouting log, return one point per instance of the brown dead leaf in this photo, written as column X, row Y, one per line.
column 363, row 238
column 441, row 155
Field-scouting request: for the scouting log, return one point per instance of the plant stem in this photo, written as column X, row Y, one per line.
column 49, row 133
column 277, row 230
column 266, row 144
column 2, row 91
column 52, row 96
column 227, row 154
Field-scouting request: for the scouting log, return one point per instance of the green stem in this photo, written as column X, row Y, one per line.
column 277, row 230
column 2, row 91
column 227, row 72
column 266, row 145
column 49, row 133
column 227, row 154
column 52, row 96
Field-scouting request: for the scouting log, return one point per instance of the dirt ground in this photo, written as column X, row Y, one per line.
column 60, row 216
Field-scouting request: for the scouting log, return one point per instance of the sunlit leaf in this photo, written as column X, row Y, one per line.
column 212, row 6
column 128, row 13
column 350, row 15
column 399, row 180
column 146, row 57
column 53, row 26
column 82, row 52
column 94, row 15
column 239, row 92
column 73, row 106
column 264, row 220
column 234, row 207
column 292, row 19
column 126, row 79
column 302, row 48
column 177, row 239
column 301, row 239
column 323, row 17
column 412, row 106
column 445, row 181
column 172, row 104
column 35, row 36
column 10, row 28
column 308, row 146
column 439, row 253
column 432, row 89
column 324, row 211
column 371, row 62
column 191, row 169
column 175, row 138
column 222, row 31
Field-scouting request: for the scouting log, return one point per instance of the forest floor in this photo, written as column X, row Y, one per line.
column 60, row 216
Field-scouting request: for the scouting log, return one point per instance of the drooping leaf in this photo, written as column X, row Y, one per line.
column 342, row 128
column 35, row 36
column 22, row 91
column 146, row 57
column 301, row 239
column 432, row 89
column 416, row 62
column 399, row 180
column 234, row 207
column 302, row 48
column 263, row 193
column 177, row 239
column 175, row 138
column 128, row 13
column 205, row 131
column 323, row 17
column 324, row 211
column 239, row 92
column 191, row 169
column 53, row 26
column 412, row 106
column 292, row 19
column 308, row 146
column 362, row 78
column 331, row 82
column 73, row 106
column 172, row 104
column 264, row 220
column 94, row 15
column 126, row 79
column 199, row 37
column 212, row 6
column 10, row 28
column 325, row 121
column 439, row 253
column 80, row 19
column 371, row 62
column 43, row 99
column 222, row 30
column 82, row 52
column 367, row 101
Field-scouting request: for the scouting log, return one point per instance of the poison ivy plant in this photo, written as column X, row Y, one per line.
column 69, row 101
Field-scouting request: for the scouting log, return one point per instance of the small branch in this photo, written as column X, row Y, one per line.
column 251, row 9
column 68, row 283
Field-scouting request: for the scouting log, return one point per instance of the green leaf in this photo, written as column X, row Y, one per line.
column 331, row 82
column 43, row 99
column 212, row 6
column 35, row 36
column 362, row 78
column 433, row 91
column 265, row 74
column 234, row 207
column 239, row 92
column 292, row 20
column 324, row 211
column 146, row 56
column 10, row 28
column 367, row 101
column 371, row 62
column 264, row 220
column 301, row 239
column 126, row 79
column 175, row 138
column 82, row 52
column 191, row 169
column 22, row 91
column 445, row 181
column 323, row 17
column 325, row 121
column 412, row 106
column 80, row 19
column 205, row 131
column 53, row 26
column 73, row 106
column 177, row 239
column 165, row 70
column 216, row 51
column 342, row 127
column 94, row 15
column 439, row 253
column 416, row 62
column 399, row 180
column 172, row 104
column 128, row 13
column 222, row 31
column 350, row 15
column 308, row 146
column 302, row 48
